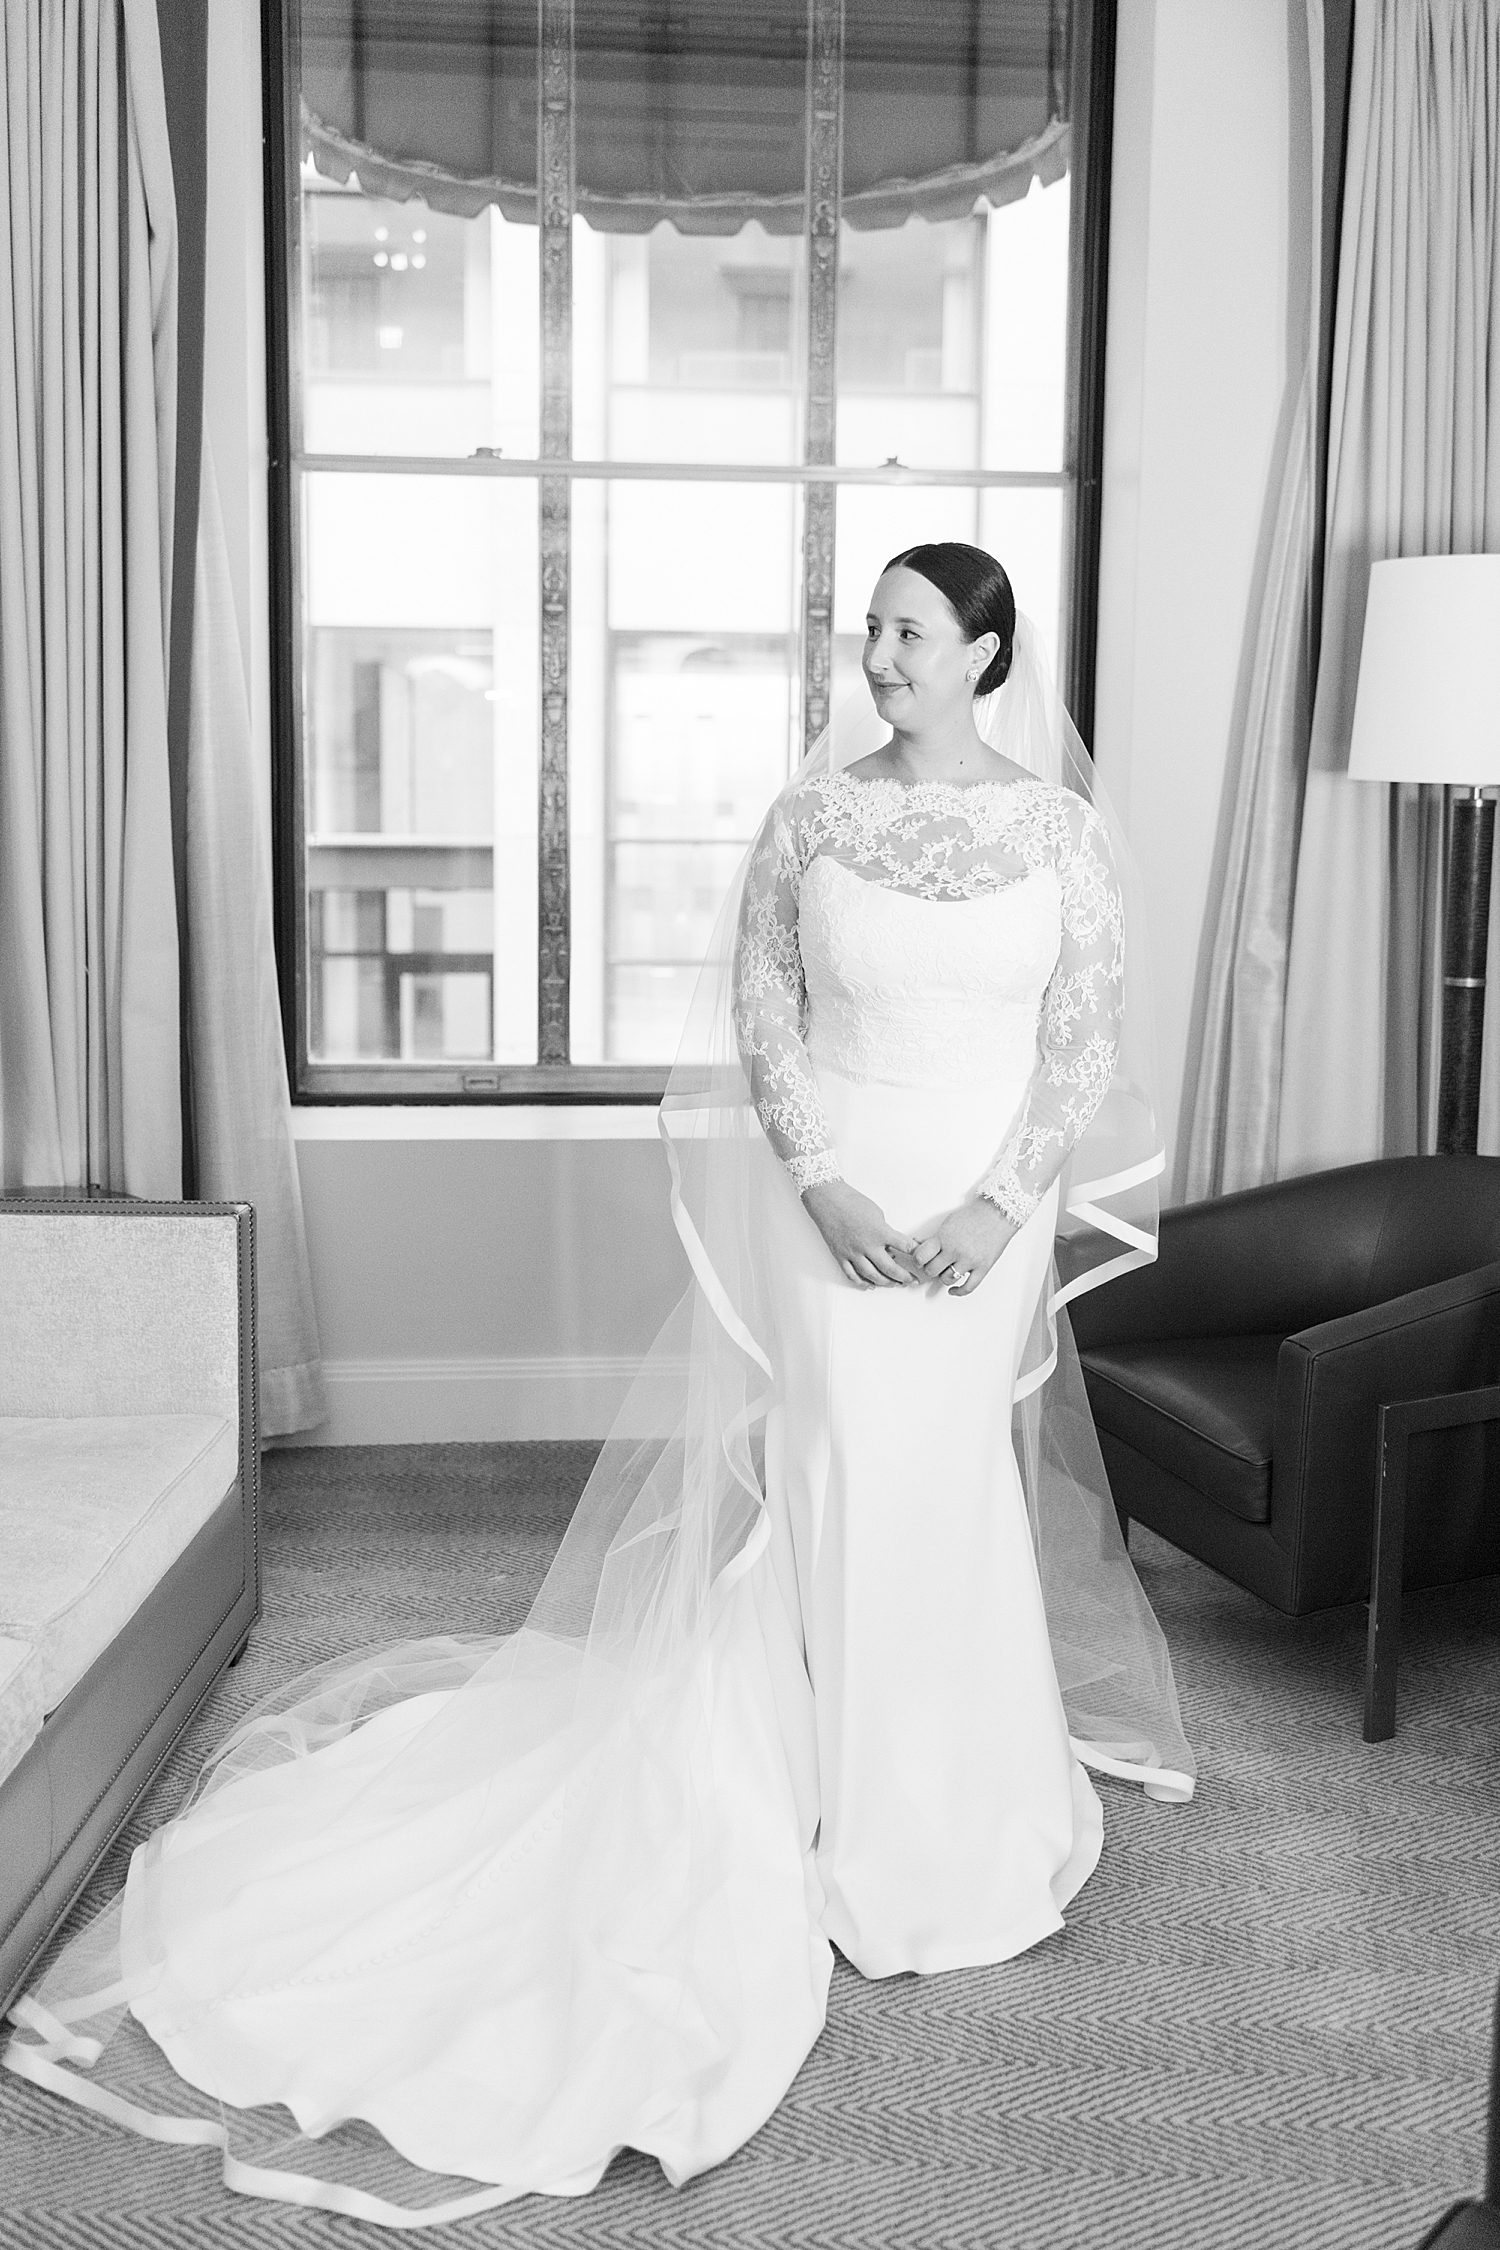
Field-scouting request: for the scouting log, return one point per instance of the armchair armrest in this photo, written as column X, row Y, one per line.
column 1331, row 1379
column 1399, row 1317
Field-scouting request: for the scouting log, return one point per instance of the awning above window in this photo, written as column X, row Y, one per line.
column 689, row 110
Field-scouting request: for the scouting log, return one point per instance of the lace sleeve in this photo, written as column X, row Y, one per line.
column 1079, row 1032
column 770, row 1007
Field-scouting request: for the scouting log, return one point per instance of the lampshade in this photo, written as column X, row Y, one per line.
column 1428, row 703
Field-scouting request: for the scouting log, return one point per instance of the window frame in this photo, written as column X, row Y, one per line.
column 558, row 1080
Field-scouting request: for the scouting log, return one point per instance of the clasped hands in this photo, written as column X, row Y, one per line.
column 875, row 1255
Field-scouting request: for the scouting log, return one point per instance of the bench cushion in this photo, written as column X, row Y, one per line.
column 93, row 1510
column 20, row 1702
column 1202, row 1407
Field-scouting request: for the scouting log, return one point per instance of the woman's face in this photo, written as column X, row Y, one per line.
column 916, row 659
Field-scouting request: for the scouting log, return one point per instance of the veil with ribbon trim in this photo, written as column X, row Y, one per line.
column 1112, row 1663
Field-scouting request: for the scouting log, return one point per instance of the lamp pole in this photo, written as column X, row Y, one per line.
column 1426, row 711
column 1471, row 852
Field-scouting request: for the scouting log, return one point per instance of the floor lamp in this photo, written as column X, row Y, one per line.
column 1427, row 709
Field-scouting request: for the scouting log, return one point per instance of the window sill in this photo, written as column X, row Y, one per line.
column 517, row 1121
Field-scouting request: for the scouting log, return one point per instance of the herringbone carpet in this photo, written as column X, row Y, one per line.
column 1265, row 2024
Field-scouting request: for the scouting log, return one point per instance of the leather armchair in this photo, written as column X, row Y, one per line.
column 1236, row 1382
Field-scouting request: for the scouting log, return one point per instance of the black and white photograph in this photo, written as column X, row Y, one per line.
column 750, row 1124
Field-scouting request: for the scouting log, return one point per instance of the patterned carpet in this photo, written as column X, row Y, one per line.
column 1265, row 2024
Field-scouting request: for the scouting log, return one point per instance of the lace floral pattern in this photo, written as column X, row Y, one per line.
column 943, row 842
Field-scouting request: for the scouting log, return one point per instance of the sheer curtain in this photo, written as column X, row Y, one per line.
column 90, row 1084
column 1413, row 468
column 1236, row 1101
column 242, row 1141
column 242, row 1120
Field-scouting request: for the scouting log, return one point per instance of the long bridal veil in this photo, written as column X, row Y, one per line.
column 549, row 1810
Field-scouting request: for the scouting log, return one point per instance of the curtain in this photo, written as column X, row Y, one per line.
column 1413, row 468
column 90, row 1074
column 140, row 1046
column 689, row 110
column 1234, row 1114
column 1323, row 1017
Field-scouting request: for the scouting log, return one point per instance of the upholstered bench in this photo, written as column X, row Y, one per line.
column 128, row 1549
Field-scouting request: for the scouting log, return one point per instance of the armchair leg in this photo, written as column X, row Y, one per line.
column 1388, row 1556
column 1397, row 1423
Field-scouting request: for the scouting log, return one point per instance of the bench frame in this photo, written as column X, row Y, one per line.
column 99, row 1752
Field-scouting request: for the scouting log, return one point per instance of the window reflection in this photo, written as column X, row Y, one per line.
column 419, row 329
column 698, row 747
column 400, row 786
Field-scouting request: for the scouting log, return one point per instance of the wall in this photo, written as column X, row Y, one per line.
column 470, row 1285
column 1209, row 233
column 490, row 1277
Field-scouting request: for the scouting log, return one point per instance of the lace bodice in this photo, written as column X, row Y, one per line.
column 1015, row 980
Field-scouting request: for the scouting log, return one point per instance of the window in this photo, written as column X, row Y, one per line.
column 614, row 347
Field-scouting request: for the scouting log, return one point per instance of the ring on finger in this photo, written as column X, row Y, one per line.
column 961, row 1274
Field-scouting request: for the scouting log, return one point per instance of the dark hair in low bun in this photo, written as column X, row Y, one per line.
column 977, row 591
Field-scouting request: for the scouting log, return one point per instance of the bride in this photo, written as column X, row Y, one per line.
column 843, row 1616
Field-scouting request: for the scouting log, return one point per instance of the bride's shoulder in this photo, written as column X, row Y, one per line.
column 808, row 788
column 794, row 817
column 809, row 796
column 1063, row 808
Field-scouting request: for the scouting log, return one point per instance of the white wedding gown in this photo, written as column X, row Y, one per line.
column 515, row 1924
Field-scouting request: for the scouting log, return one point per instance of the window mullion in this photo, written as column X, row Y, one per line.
column 555, row 201
column 825, row 172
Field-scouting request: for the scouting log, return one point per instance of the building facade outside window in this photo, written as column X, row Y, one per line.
column 575, row 521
